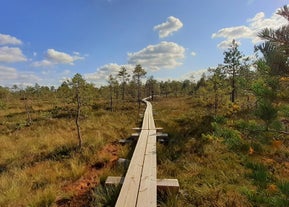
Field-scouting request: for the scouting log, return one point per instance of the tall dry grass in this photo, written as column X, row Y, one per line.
column 37, row 160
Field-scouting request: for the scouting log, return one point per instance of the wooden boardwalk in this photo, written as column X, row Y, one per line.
column 140, row 183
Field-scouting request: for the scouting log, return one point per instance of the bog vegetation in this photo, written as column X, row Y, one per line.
column 228, row 133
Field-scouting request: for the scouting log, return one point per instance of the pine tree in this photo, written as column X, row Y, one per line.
column 79, row 88
column 124, row 78
column 138, row 74
column 232, row 64
column 112, row 85
column 276, row 47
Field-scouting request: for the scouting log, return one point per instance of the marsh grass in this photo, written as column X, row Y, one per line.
column 37, row 160
column 209, row 154
column 223, row 172
column 260, row 174
column 167, row 199
column 104, row 195
column 44, row 198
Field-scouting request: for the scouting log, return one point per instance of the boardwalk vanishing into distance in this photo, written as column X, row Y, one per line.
column 140, row 183
column 139, row 186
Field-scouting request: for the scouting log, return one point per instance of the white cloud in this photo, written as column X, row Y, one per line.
column 160, row 56
column 9, row 40
column 165, row 29
column 59, row 57
column 28, row 77
column 7, row 73
column 66, row 72
column 259, row 22
column 43, row 63
column 195, row 75
column 102, row 73
column 10, row 76
column 153, row 57
column 250, row 31
column 227, row 43
column 64, row 79
column 11, row 54
column 234, row 32
column 54, row 57
column 193, row 54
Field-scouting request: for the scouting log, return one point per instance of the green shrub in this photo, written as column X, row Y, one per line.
column 248, row 126
column 284, row 110
column 267, row 112
column 197, row 145
column 260, row 174
column 257, row 147
column 284, row 188
column 232, row 138
column 194, row 125
column 220, row 119
column 261, row 198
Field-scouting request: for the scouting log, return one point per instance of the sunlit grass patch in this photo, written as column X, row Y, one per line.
column 37, row 161
column 13, row 186
column 43, row 198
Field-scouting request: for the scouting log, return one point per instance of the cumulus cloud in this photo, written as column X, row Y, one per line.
column 7, row 73
column 28, row 78
column 251, row 30
column 9, row 40
column 155, row 57
column 165, row 29
column 102, row 73
column 259, row 22
column 11, row 54
column 54, row 57
column 43, row 63
column 195, row 75
column 234, row 32
column 60, row 57
column 10, row 76
column 227, row 43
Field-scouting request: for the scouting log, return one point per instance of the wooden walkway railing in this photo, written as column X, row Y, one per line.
column 140, row 183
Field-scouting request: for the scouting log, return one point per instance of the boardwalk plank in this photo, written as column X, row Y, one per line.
column 140, row 183
column 148, row 186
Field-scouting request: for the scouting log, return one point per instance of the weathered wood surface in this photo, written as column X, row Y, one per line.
column 140, row 183
column 162, row 184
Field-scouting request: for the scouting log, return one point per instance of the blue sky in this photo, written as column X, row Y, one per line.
column 47, row 42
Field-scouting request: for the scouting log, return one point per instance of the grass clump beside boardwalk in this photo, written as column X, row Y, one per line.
column 220, row 160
